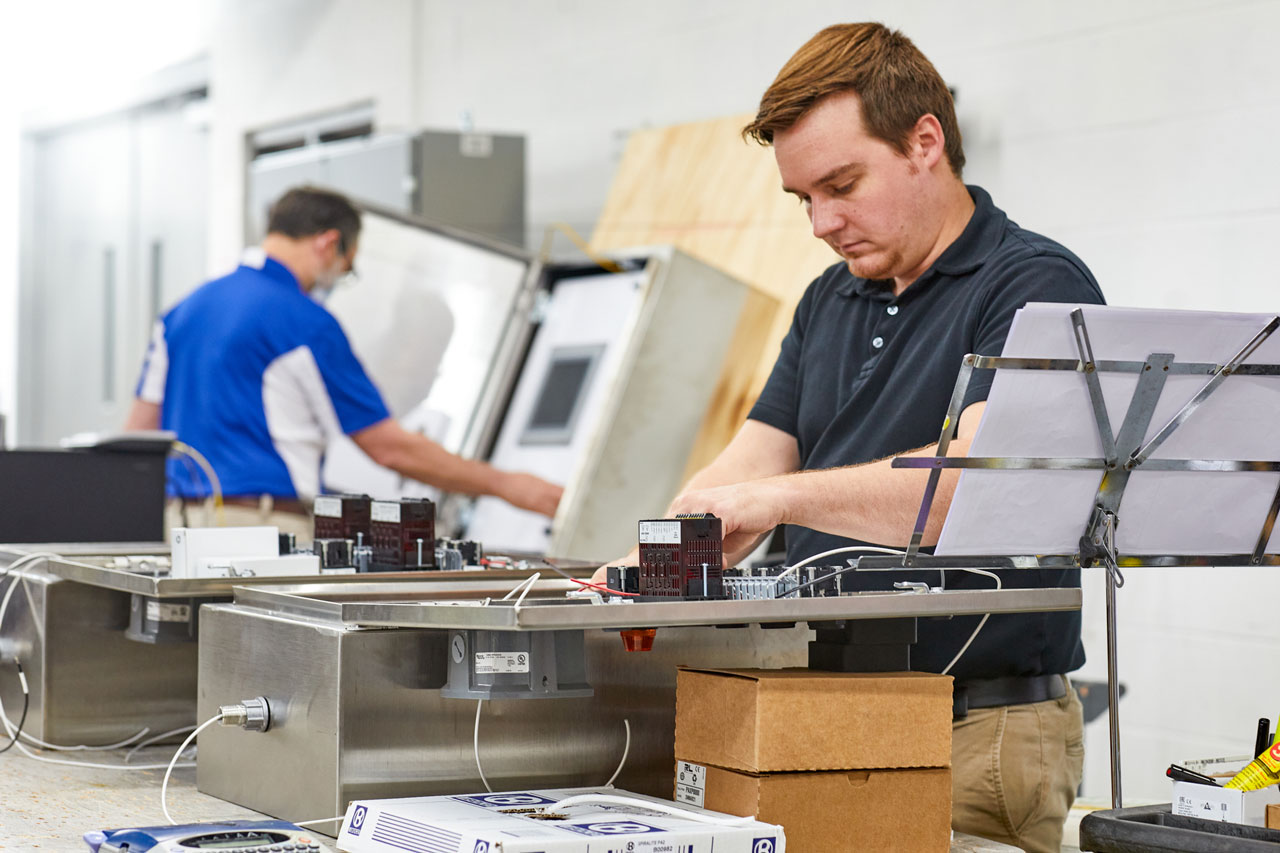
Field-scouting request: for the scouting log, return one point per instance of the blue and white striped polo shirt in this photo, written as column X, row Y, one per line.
column 257, row 376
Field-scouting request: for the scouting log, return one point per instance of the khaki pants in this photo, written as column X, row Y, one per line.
column 1015, row 771
column 236, row 515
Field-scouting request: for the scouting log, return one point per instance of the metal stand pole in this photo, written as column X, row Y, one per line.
column 1115, row 580
column 1113, row 686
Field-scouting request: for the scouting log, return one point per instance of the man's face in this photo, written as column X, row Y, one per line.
column 865, row 200
column 336, row 261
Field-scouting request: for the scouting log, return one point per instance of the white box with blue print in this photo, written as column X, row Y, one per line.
column 572, row 820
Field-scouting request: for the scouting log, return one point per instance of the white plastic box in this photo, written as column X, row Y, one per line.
column 501, row 823
column 194, row 548
column 1191, row 799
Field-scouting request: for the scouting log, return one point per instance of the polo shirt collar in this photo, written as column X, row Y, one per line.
column 256, row 259
column 981, row 237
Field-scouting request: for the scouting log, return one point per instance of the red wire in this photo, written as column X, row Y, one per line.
column 609, row 590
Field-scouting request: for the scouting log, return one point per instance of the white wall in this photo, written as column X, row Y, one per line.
column 1138, row 133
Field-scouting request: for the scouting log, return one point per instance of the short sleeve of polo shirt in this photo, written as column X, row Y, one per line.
column 356, row 400
column 1044, row 278
column 778, row 404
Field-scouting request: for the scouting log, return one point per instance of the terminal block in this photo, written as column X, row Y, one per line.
column 457, row 554
column 343, row 517
column 681, row 557
column 403, row 535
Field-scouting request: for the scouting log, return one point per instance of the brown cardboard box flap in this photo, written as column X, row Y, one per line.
column 883, row 810
column 798, row 719
column 1273, row 816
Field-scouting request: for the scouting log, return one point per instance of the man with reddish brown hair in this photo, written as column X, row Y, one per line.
column 865, row 136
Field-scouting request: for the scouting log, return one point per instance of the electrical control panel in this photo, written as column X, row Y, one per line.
column 343, row 517
column 403, row 535
column 681, row 557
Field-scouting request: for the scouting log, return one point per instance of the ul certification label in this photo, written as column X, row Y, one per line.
column 492, row 663
column 660, row 532
column 691, row 783
column 157, row 612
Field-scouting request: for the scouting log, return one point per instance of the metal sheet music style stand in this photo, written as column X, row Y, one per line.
column 1124, row 452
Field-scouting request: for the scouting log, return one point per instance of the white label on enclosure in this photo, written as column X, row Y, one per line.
column 691, row 783
column 385, row 511
column 492, row 663
column 157, row 612
column 475, row 145
column 329, row 507
column 660, row 532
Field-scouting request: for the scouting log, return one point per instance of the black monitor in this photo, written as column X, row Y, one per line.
column 98, row 494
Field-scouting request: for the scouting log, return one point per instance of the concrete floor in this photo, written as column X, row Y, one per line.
column 47, row 807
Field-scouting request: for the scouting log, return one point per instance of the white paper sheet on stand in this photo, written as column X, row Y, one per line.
column 1048, row 413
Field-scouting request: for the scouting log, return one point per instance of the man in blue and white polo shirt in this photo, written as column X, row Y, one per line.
column 257, row 376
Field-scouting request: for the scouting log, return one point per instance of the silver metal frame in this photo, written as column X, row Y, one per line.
column 467, row 606
column 1124, row 453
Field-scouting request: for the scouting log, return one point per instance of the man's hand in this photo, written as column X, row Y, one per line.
column 747, row 511
column 529, row 492
column 601, row 575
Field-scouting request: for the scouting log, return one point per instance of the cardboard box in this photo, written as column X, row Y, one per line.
column 764, row 721
column 907, row 810
column 1213, row 803
column 1273, row 816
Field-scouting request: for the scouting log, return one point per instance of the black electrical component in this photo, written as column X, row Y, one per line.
column 343, row 517
column 403, row 535
column 624, row 579
column 681, row 557
column 334, row 553
column 457, row 554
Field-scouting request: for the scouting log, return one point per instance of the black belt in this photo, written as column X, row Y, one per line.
column 1013, row 690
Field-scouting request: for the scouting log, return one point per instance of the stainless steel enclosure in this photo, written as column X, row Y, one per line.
column 89, row 683
column 357, row 712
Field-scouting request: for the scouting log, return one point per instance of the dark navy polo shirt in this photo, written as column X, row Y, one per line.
column 863, row 375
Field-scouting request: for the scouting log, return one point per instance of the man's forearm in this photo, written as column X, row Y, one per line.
column 422, row 459
column 873, row 502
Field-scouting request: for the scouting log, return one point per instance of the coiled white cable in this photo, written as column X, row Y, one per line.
column 653, row 805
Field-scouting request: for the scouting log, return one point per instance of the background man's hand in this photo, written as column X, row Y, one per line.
column 532, row 493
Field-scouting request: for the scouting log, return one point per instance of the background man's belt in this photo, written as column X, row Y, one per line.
column 1013, row 690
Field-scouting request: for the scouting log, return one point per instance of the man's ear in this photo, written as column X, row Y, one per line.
column 325, row 239
column 928, row 142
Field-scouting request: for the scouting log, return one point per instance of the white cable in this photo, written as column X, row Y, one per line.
column 53, row 747
column 340, row 817
column 847, row 550
column 517, row 588
column 476, row 744
column 625, row 749
column 654, row 805
column 164, row 787
column 524, row 587
column 151, row 740
column 981, row 622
